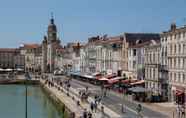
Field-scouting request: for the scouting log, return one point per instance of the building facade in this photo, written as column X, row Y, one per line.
column 101, row 54
column 129, row 40
column 136, row 60
column 174, row 57
column 33, row 57
column 155, row 74
column 49, row 46
column 11, row 58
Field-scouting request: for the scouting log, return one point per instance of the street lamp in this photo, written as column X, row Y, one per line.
column 27, row 77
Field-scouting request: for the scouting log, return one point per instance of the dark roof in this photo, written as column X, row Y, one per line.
column 10, row 50
column 143, row 37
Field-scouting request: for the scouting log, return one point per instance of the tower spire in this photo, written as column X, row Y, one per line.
column 52, row 18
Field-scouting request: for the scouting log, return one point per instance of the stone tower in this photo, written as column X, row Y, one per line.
column 49, row 46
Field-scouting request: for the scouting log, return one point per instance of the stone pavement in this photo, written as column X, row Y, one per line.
column 167, row 108
column 72, row 104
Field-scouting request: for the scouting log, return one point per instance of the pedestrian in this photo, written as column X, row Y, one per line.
column 96, row 98
column 102, row 112
column 92, row 106
column 183, row 112
column 89, row 114
column 85, row 113
column 95, row 107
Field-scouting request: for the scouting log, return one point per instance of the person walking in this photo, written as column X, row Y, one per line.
column 85, row 113
column 92, row 106
column 89, row 115
column 183, row 112
column 95, row 107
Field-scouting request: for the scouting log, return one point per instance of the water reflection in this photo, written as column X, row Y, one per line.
column 12, row 103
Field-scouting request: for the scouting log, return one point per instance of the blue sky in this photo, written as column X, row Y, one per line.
column 26, row 21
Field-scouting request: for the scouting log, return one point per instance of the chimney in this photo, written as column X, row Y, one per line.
column 173, row 27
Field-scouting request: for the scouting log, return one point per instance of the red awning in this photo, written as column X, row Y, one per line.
column 179, row 92
column 110, row 76
column 112, row 81
column 127, row 81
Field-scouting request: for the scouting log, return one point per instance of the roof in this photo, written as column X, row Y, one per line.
column 143, row 37
column 8, row 50
column 30, row 46
column 140, row 45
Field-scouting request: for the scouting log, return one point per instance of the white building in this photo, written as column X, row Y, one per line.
column 101, row 55
column 136, row 58
column 174, row 56
column 155, row 73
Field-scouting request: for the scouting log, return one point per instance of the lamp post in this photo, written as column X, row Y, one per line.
column 26, row 99
column 27, row 77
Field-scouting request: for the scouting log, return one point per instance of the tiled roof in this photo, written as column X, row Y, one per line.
column 30, row 46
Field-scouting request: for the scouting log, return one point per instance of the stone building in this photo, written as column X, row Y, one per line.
column 155, row 73
column 174, row 56
column 101, row 54
column 33, row 57
column 49, row 45
column 136, row 60
column 11, row 58
column 130, row 39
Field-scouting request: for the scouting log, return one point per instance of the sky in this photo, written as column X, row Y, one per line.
column 26, row 21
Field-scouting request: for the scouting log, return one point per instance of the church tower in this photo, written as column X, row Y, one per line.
column 49, row 46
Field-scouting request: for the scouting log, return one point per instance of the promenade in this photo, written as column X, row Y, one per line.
column 70, row 100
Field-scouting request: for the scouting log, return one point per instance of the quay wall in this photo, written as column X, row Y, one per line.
column 56, row 101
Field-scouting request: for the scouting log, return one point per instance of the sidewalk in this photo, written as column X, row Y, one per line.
column 72, row 104
column 166, row 108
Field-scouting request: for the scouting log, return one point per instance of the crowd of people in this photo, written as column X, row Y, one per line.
column 83, row 95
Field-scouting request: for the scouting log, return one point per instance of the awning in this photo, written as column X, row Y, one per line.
column 8, row 69
column 138, row 89
column 179, row 92
column 96, row 74
column 127, row 81
column 138, row 82
column 103, row 79
column 88, row 76
column 110, row 76
column 114, row 80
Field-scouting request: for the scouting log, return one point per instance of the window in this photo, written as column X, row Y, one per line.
column 170, row 49
column 174, row 63
column 183, row 48
column 183, row 35
column 175, row 48
column 134, row 52
column 175, row 77
column 179, row 46
column 179, row 78
column 175, row 36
